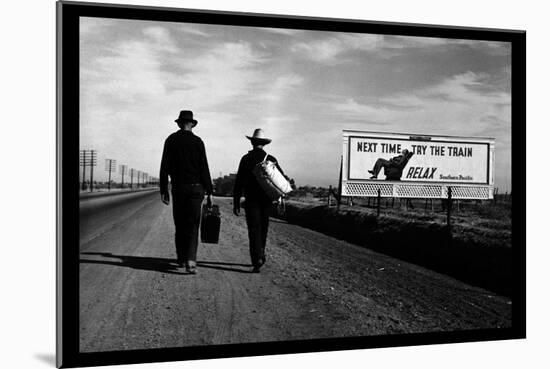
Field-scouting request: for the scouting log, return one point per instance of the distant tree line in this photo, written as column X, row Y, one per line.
column 223, row 186
column 309, row 191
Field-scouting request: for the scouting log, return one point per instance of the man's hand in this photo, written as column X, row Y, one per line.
column 165, row 198
column 209, row 201
column 236, row 208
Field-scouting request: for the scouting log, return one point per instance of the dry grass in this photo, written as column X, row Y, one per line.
column 478, row 250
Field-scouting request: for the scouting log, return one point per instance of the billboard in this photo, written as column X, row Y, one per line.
column 402, row 158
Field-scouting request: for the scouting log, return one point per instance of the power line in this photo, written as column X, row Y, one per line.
column 123, row 169
column 88, row 158
column 110, row 166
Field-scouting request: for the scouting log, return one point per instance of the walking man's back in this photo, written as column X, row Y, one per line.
column 184, row 161
column 257, row 202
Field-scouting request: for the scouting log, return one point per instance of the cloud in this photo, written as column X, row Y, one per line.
column 333, row 49
column 282, row 31
column 488, row 47
column 353, row 110
column 469, row 88
column 89, row 26
column 274, row 126
column 129, row 72
column 281, row 87
column 221, row 73
column 403, row 42
column 188, row 29
column 161, row 38
column 323, row 51
column 330, row 50
column 132, row 89
column 457, row 105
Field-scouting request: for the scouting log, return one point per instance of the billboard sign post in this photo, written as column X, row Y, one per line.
column 417, row 166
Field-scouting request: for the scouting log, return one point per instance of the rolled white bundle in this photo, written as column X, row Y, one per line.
column 272, row 181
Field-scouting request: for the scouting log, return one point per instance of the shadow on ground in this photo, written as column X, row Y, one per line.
column 155, row 264
column 225, row 266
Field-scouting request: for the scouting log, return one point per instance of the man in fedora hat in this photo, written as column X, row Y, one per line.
column 257, row 204
column 184, row 160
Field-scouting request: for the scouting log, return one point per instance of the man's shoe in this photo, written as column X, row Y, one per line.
column 256, row 269
column 191, row 267
column 371, row 171
column 373, row 177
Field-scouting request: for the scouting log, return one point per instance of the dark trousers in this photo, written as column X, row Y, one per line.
column 380, row 163
column 186, row 206
column 257, row 220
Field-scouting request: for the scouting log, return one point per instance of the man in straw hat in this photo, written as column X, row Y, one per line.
column 184, row 160
column 257, row 204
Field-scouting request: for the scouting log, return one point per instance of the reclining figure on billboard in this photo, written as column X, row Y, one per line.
column 393, row 168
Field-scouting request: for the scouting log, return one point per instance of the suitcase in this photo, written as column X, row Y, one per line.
column 210, row 224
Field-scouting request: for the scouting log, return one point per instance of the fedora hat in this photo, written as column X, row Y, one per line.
column 259, row 137
column 186, row 116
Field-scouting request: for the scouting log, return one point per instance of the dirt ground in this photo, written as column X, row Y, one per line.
column 133, row 296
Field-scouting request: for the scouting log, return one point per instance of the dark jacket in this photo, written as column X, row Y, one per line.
column 246, row 182
column 395, row 170
column 184, row 160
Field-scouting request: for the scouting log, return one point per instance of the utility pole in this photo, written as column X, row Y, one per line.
column 123, row 169
column 138, row 177
column 83, row 163
column 132, row 171
column 110, row 166
column 88, row 158
column 93, row 163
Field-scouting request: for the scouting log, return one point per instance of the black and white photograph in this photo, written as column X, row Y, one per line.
column 175, row 120
column 269, row 186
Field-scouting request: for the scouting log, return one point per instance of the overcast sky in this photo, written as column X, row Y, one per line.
column 301, row 87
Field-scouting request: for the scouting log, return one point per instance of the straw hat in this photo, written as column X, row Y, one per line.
column 258, row 137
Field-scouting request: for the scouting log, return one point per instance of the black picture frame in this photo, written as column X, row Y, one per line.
column 68, row 14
